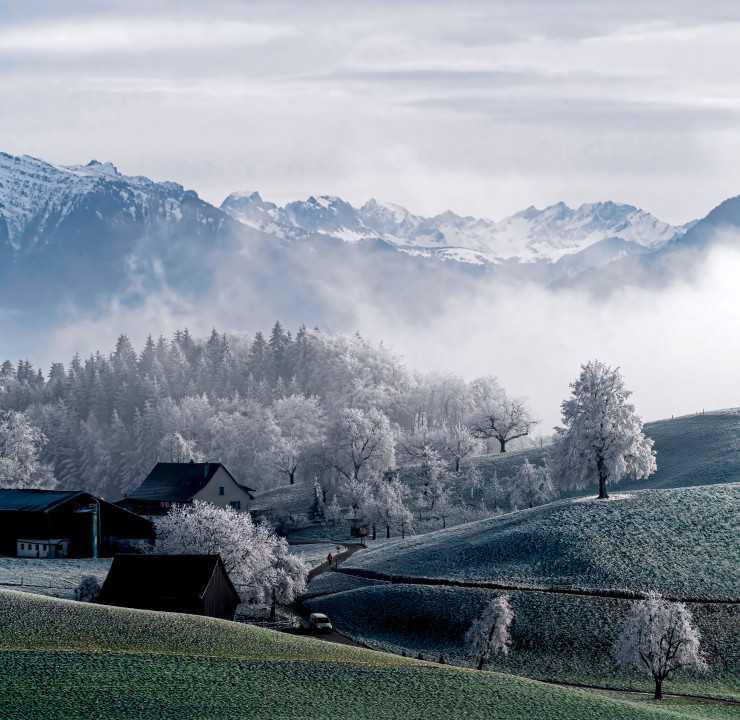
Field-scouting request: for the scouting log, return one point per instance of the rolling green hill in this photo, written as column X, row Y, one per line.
column 682, row 541
column 568, row 638
column 61, row 659
column 691, row 450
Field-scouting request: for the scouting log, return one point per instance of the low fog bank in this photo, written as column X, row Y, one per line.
column 677, row 346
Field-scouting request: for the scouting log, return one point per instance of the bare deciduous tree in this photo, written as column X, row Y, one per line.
column 497, row 416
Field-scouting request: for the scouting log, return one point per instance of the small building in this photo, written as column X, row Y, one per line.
column 67, row 523
column 194, row 584
column 42, row 548
column 171, row 484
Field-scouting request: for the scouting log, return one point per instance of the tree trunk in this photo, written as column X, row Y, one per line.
column 387, row 531
column 502, row 444
column 603, row 494
column 273, row 607
column 291, row 475
column 374, row 532
column 444, row 523
column 481, row 662
column 457, row 464
column 658, row 689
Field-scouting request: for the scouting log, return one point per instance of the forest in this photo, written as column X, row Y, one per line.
column 275, row 408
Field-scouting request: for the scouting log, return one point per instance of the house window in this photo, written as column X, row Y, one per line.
column 236, row 504
column 23, row 546
column 43, row 547
column 220, row 489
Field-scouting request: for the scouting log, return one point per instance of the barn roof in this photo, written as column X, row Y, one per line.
column 137, row 580
column 179, row 482
column 34, row 500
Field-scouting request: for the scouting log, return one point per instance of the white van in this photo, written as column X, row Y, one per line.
column 320, row 622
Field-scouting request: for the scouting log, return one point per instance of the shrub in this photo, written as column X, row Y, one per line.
column 88, row 589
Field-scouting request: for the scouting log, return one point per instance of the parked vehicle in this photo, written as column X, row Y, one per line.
column 320, row 622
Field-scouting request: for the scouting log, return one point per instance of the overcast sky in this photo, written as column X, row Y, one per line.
column 484, row 108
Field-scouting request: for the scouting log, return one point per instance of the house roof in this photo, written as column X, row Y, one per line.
column 34, row 500
column 179, row 482
column 146, row 580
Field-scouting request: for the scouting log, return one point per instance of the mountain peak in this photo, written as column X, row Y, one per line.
column 102, row 168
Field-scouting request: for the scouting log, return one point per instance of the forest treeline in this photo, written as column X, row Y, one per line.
column 274, row 408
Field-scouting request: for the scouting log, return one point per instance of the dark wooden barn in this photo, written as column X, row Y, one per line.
column 195, row 584
column 67, row 523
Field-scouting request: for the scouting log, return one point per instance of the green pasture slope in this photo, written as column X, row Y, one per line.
column 60, row 659
column 691, row 450
column 565, row 638
column 682, row 541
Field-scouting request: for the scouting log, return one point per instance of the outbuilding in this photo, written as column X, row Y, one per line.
column 67, row 523
column 194, row 584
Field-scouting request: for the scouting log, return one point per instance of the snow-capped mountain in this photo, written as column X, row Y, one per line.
column 38, row 200
column 530, row 235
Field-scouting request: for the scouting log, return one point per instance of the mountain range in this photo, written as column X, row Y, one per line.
column 528, row 236
column 73, row 239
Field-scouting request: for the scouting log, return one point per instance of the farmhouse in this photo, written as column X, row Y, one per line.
column 195, row 584
column 67, row 523
column 181, row 483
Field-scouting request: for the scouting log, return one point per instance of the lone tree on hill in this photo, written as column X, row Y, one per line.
column 602, row 440
column 659, row 637
column 497, row 416
column 489, row 633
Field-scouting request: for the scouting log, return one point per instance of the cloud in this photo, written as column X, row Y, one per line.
column 134, row 35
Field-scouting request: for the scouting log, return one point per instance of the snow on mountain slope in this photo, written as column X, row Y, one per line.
column 530, row 235
column 37, row 197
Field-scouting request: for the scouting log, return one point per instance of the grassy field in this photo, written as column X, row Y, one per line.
column 57, row 577
column 681, row 541
column 691, row 450
column 60, row 659
column 567, row 638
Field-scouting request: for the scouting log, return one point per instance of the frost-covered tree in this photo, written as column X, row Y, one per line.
column 459, row 443
column 302, row 426
column 659, row 637
column 362, row 443
column 444, row 506
column 358, row 494
column 21, row 444
column 602, row 440
column 489, row 634
column 285, row 577
column 389, row 505
column 333, row 513
column 497, row 416
column 254, row 556
column 433, row 476
column 530, row 486
column 173, row 447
